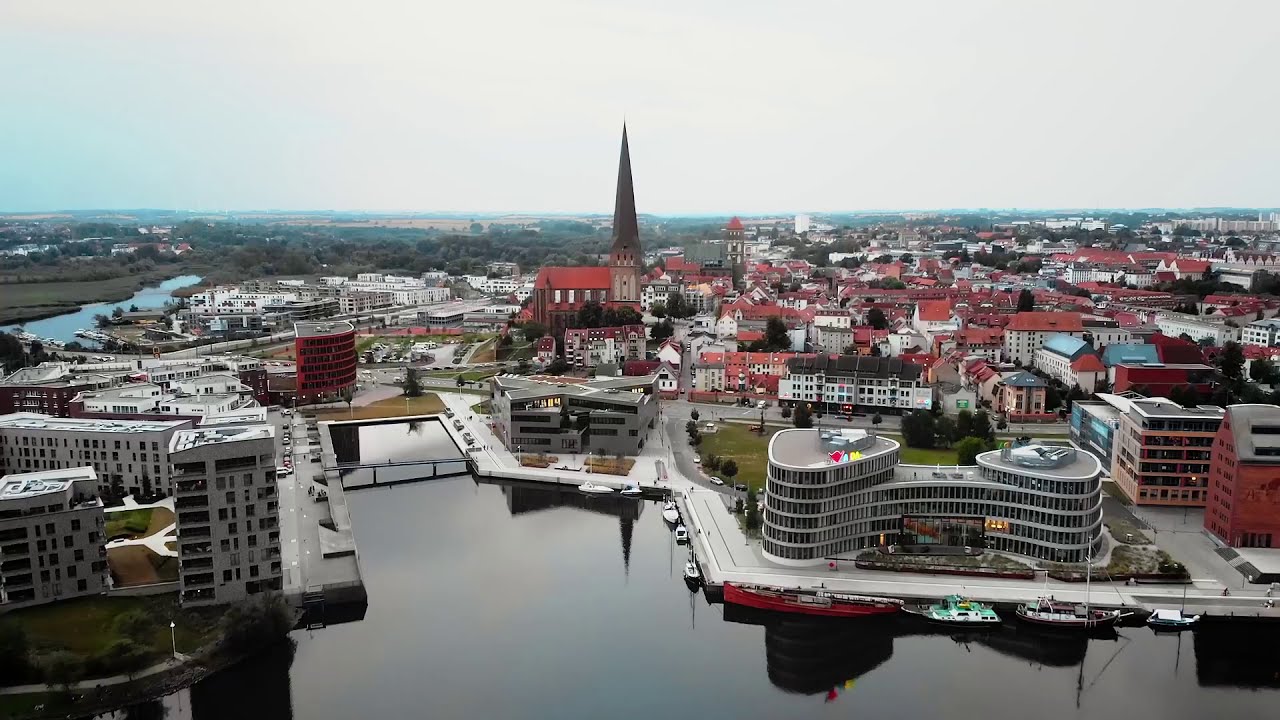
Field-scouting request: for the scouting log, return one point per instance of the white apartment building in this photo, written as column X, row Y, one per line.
column 1261, row 332
column 656, row 291
column 130, row 457
column 227, row 507
column 1176, row 324
column 851, row 383
column 52, row 537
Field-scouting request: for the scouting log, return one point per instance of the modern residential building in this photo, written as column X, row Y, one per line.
column 1198, row 328
column 588, row 347
column 658, row 291
column 1162, row 452
column 1244, row 478
column 850, row 383
column 610, row 415
column 227, row 508
column 1261, row 332
column 52, row 537
column 829, row 493
column 207, row 395
column 1094, row 424
column 49, row 387
column 129, row 457
column 326, row 360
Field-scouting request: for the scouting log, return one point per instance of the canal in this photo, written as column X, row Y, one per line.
column 63, row 327
column 519, row 601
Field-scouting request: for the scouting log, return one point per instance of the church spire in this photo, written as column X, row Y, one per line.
column 626, row 229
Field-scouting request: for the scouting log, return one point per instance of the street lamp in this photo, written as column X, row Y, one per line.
column 173, row 637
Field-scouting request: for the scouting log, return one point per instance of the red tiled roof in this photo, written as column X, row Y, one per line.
column 750, row 335
column 639, row 367
column 934, row 310
column 1046, row 322
column 1087, row 363
column 734, row 224
column 573, row 278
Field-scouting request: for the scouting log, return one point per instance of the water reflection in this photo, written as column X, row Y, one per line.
column 394, row 441
column 529, row 498
column 257, row 688
column 1243, row 656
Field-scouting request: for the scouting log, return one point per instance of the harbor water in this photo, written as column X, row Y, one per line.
column 522, row 601
column 63, row 327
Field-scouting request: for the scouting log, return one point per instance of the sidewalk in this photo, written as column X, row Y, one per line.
column 94, row 683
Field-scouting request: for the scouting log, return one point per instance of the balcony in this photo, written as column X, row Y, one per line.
column 192, row 518
column 196, row 501
column 197, row 579
column 191, row 486
column 196, row 549
column 193, row 532
column 197, row 563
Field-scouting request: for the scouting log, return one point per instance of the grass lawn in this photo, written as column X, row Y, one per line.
column 85, row 626
column 426, row 404
column 469, row 376
column 922, row 456
column 486, row 353
column 131, row 523
column 517, row 351
column 137, row 565
column 749, row 450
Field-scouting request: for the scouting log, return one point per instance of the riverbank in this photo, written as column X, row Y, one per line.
column 29, row 302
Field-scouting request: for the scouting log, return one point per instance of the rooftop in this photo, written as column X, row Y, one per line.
column 190, row 439
column 1163, row 408
column 44, row 482
column 814, row 448
column 320, row 329
column 605, row 389
column 1257, row 432
column 35, row 421
column 1064, row 462
column 247, row 416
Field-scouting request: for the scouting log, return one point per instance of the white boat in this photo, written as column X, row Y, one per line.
column 1162, row 619
column 590, row 487
column 682, row 534
column 632, row 491
column 692, row 575
column 670, row 512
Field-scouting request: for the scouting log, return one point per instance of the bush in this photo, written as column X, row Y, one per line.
column 135, row 625
column 62, row 668
column 124, row 656
column 712, row 462
column 256, row 622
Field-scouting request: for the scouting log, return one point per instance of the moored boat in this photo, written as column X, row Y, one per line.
column 682, row 534
column 670, row 512
column 632, row 491
column 1048, row 612
column 692, row 575
column 590, row 487
column 809, row 602
column 957, row 610
column 1171, row 620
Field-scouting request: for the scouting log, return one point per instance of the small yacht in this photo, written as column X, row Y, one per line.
column 670, row 512
column 692, row 575
column 1171, row 620
column 632, row 490
column 682, row 534
column 590, row 487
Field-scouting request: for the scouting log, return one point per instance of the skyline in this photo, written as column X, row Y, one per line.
column 732, row 108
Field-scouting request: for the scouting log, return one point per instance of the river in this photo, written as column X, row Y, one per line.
column 63, row 327
column 514, row 601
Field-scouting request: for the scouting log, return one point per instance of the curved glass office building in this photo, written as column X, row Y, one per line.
column 830, row 493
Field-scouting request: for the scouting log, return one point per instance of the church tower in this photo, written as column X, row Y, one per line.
column 625, row 257
column 734, row 244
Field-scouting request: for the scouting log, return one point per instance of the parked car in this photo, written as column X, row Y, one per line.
column 697, row 460
column 457, row 424
column 740, row 486
column 284, row 470
column 716, row 481
column 448, row 412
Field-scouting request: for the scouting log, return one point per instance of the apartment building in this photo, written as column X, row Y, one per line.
column 1261, row 332
column 609, row 415
column 129, row 457
column 849, row 383
column 52, row 537
column 1163, row 452
column 50, row 387
column 189, row 398
column 588, row 347
column 227, row 507
column 1244, row 489
column 1198, row 329
column 1071, row 360
column 1025, row 334
column 657, row 291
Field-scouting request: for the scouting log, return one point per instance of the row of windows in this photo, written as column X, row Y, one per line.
column 93, row 444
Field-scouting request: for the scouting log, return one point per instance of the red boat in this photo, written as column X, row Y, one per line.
column 809, row 602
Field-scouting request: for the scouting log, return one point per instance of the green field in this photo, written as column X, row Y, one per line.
column 85, row 626
column 749, row 450
column 469, row 375
column 128, row 522
column 28, row 301
column 922, row 456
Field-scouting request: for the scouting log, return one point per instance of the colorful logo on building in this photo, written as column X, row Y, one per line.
column 842, row 456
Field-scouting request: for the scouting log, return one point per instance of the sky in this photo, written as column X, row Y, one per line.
column 734, row 106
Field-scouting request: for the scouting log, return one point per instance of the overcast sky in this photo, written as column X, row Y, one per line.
column 739, row 106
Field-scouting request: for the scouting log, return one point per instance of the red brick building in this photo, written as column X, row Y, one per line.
column 326, row 357
column 559, row 292
column 1244, row 478
column 1159, row 380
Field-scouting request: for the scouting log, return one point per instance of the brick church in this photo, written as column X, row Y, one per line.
column 559, row 292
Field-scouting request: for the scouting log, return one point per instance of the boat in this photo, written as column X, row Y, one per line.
column 590, row 487
column 957, row 610
column 692, row 575
column 1171, row 620
column 809, row 602
column 1048, row 612
column 632, row 491
column 682, row 534
column 670, row 512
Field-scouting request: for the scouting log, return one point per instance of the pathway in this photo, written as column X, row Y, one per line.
column 94, row 683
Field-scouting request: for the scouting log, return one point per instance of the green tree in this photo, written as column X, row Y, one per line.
column 658, row 310
column 776, row 337
column 753, row 511
column 691, row 427
column 876, row 420
column 786, row 412
column 918, row 429
column 982, row 426
column 876, row 319
column 729, row 468
column 1232, row 362
column 1026, row 301
column 1261, row 371
column 413, row 384
column 677, row 307
column 964, row 425
column 662, row 330
column 124, row 655
column 590, row 315
column 62, row 668
column 802, row 417
column 945, row 429
column 532, row 331
column 135, row 625
column 255, row 622
column 1002, row 423
column 694, row 415
column 967, row 450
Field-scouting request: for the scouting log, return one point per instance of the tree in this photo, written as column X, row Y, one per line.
column 1261, row 371
column 1026, row 301
column 967, row 450
column 1002, row 423
column 14, row 649
column 729, row 468
column 135, row 625
column 616, row 317
column 663, row 330
column 532, row 331
column 505, row 341
column 876, row 319
column 1184, row 336
column 1232, row 361
column 918, row 429
column 658, row 309
column 982, row 426
column 1074, row 394
column 803, row 417
column 946, row 430
column 1052, row 399
column 677, row 307
column 786, row 412
column 590, row 315
column 964, row 425
column 62, row 668
column 776, row 337
column 694, row 415
column 753, row 511
column 876, row 420
column 691, row 427
column 125, row 655
column 712, row 462
column 255, row 622
column 413, row 384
